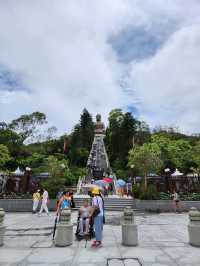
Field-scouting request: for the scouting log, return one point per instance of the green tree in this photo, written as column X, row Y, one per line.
column 113, row 135
column 127, row 132
column 81, row 140
column 196, row 158
column 86, row 130
column 26, row 125
column 180, row 152
column 34, row 161
column 4, row 155
column 60, row 175
column 142, row 134
column 146, row 159
column 176, row 153
column 10, row 138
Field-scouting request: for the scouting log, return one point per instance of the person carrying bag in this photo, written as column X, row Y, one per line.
column 97, row 215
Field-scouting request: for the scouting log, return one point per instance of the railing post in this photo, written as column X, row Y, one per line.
column 194, row 227
column 64, row 232
column 2, row 227
column 129, row 228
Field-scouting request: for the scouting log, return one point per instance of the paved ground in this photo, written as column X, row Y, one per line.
column 163, row 240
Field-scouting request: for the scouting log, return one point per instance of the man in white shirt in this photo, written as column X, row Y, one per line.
column 45, row 197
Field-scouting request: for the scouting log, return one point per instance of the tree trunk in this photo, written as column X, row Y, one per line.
column 145, row 181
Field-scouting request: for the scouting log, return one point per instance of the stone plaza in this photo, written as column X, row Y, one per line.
column 163, row 240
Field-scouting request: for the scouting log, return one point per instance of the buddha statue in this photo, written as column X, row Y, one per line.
column 99, row 126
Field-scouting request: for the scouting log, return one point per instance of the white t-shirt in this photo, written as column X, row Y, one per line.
column 97, row 201
column 45, row 196
column 175, row 196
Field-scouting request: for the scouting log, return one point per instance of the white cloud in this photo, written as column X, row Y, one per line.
column 60, row 51
column 168, row 83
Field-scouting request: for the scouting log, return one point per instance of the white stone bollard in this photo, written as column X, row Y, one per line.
column 129, row 228
column 64, row 231
column 194, row 227
column 2, row 227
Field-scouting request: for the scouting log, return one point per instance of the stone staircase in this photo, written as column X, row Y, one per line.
column 111, row 204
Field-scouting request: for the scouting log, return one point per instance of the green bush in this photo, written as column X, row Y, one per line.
column 164, row 196
column 150, row 193
column 190, row 196
column 136, row 191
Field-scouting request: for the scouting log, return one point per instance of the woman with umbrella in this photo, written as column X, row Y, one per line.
column 121, row 185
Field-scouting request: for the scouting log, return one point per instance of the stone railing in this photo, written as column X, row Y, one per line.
column 25, row 205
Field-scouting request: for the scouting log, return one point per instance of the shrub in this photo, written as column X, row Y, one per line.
column 150, row 193
column 164, row 196
column 136, row 191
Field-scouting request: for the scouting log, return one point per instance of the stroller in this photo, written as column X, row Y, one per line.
column 91, row 233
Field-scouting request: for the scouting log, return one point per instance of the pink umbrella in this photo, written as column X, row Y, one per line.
column 108, row 180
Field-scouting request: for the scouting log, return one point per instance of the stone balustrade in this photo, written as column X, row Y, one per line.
column 129, row 228
column 2, row 227
column 194, row 227
column 64, row 232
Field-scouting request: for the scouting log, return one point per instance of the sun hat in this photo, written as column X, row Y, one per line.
column 95, row 191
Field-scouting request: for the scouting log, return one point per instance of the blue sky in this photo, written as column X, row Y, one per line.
column 62, row 56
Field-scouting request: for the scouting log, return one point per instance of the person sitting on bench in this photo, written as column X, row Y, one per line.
column 84, row 214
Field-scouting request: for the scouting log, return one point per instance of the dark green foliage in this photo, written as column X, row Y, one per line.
column 4, row 155
column 120, row 137
column 60, row 175
column 136, row 191
column 149, row 193
column 165, row 196
column 150, row 152
column 81, row 140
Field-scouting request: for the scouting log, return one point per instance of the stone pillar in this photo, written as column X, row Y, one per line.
column 64, row 232
column 129, row 228
column 194, row 227
column 2, row 227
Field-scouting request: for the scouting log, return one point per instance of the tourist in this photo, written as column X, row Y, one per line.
column 176, row 201
column 84, row 214
column 97, row 214
column 45, row 199
column 58, row 197
column 71, row 194
column 36, row 200
column 129, row 189
column 64, row 202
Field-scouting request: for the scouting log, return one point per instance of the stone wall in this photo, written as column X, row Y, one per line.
column 164, row 205
column 21, row 205
column 25, row 205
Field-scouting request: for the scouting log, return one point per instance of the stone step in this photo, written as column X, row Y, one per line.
column 111, row 204
column 29, row 232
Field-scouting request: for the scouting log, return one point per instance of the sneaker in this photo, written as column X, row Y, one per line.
column 98, row 244
column 94, row 244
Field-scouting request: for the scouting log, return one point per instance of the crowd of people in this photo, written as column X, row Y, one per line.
column 91, row 215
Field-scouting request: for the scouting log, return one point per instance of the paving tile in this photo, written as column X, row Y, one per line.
column 13, row 255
